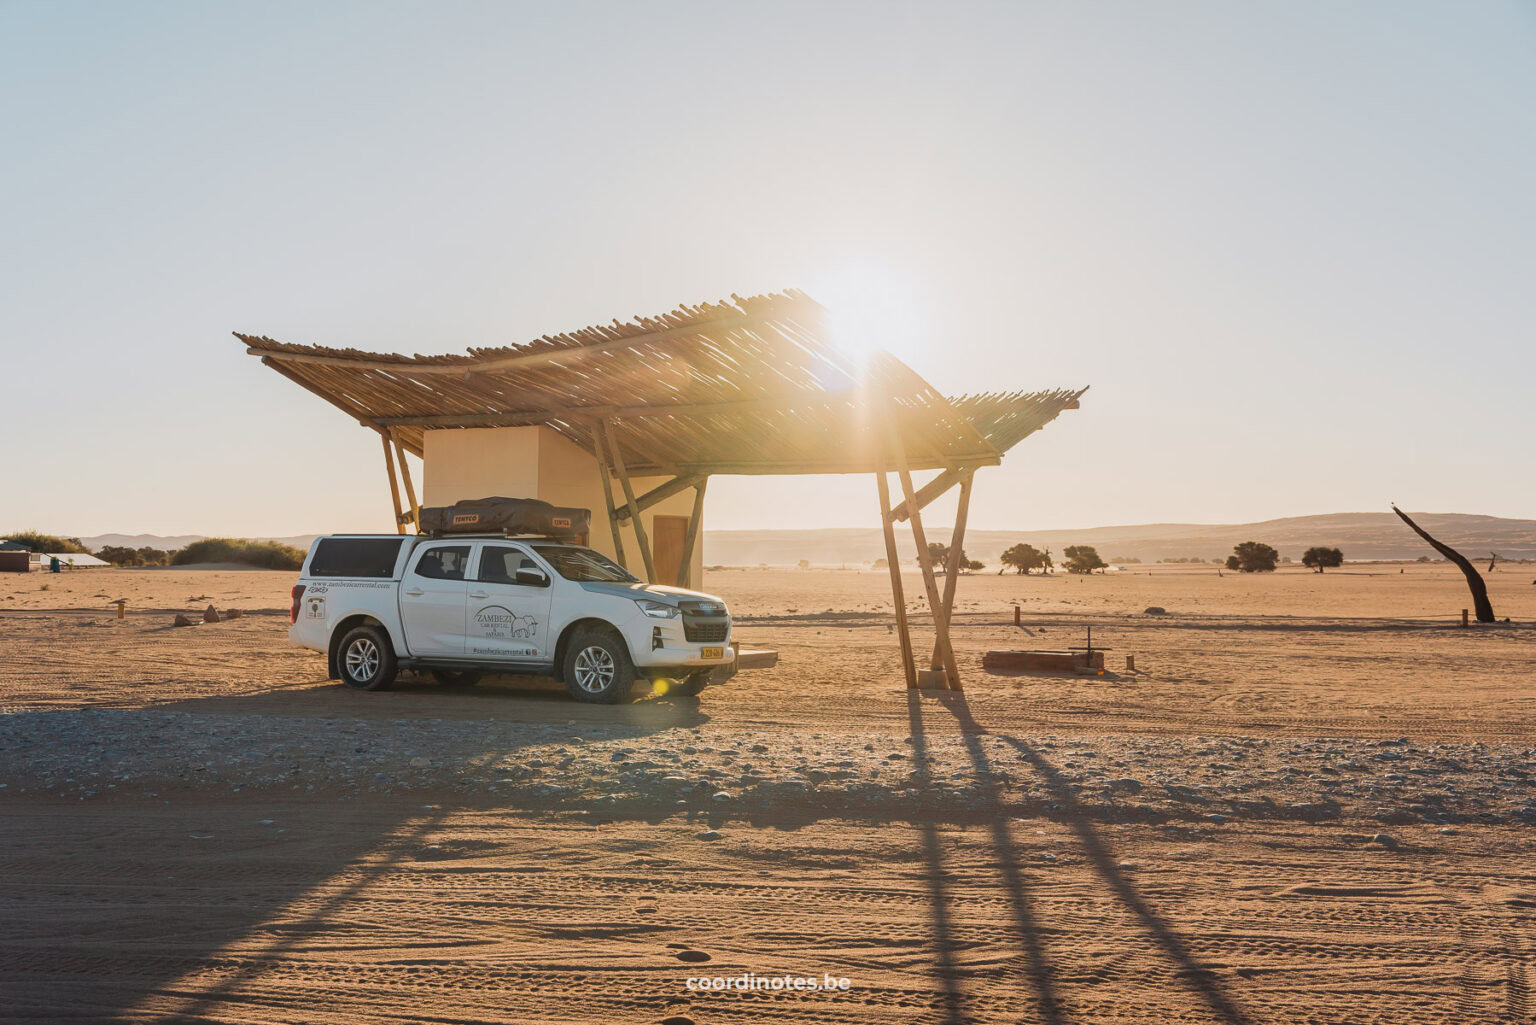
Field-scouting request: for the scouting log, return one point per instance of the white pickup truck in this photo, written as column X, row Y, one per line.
column 463, row 606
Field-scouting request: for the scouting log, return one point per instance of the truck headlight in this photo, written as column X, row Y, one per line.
column 656, row 609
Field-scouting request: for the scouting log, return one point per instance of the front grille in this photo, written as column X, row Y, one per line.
column 706, row 632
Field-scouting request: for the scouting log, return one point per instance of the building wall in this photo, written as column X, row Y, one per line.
column 537, row 462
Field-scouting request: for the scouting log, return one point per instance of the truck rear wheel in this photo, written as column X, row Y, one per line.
column 366, row 659
column 597, row 668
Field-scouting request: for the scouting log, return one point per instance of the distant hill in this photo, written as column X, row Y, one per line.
column 1362, row 536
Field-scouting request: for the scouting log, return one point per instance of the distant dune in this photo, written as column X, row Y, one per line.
column 1359, row 535
column 1362, row 536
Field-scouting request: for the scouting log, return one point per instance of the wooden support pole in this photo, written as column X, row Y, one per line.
column 600, row 443
column 956, row 542
column 410, row 489
column 893, row 561
column 691, row 539
column 930, row 583
column 394, row 485
column 634, row 513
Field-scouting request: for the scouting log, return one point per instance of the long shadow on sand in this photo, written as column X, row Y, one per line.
column 948, row 972
column 1195, row 976
column 177, row 901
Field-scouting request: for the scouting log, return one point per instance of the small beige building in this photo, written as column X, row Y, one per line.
column 540, row 462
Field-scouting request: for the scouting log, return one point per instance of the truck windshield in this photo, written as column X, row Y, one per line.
column 583, row 564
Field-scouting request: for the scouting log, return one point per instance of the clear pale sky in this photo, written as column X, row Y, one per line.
column 1290, row 245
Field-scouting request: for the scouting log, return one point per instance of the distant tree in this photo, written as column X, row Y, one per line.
column 879, row 564
column 1319, row 558
column 1022, row 558
column 36, row 542
column 805, row 564
column 1253, row 557
column 1125, row 560
column 938, row 555
column 1083, row 559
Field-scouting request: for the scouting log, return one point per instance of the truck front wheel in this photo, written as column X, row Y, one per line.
column 366, row 659
column 597, row 667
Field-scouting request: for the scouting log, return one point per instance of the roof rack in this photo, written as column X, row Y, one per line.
column 571, row 538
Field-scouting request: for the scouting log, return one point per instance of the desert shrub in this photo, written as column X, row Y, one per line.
column 37, row 542
column 121, row 555
column 1253, row 557
column 265, row 554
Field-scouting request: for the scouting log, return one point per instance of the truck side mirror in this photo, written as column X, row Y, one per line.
column 531, row 576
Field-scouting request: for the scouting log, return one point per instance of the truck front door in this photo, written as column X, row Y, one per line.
column 508, row 620
column 433, row 596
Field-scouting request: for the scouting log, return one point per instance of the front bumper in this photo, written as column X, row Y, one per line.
column 685, row 656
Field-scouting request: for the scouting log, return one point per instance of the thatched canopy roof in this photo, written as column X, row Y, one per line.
column 747, row 386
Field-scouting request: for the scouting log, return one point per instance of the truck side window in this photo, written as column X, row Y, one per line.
column 445, row 563
column 500, row 565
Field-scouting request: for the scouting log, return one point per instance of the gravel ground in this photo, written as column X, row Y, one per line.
column 93, row 754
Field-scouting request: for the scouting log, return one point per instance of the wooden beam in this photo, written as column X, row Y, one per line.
column 354, row 412
column 518, row 417
column 930, row 584
column 768, row 467
column 662, row 492
column 394, row 486
column 600, row 443
column 565, row 354
column 936, row 488
column 629, row 498
column 956, row 544
column 405, row 474
column 691, row 539
column 893, row 562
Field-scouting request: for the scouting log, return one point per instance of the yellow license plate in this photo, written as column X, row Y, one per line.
column 711, row 652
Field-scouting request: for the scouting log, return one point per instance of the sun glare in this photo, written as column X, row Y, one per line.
column 871, row 308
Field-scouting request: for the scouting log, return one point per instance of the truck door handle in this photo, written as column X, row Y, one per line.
column 415, row 592
column 478, row 594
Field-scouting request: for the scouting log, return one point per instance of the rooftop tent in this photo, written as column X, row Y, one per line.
column 659, row 404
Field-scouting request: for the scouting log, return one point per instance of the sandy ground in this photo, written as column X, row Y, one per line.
column 1312, row 801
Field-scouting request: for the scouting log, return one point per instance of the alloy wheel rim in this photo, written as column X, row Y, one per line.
column 594, row 669
column 362, row 659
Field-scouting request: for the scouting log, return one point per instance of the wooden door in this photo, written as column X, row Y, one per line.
column 668, row 535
